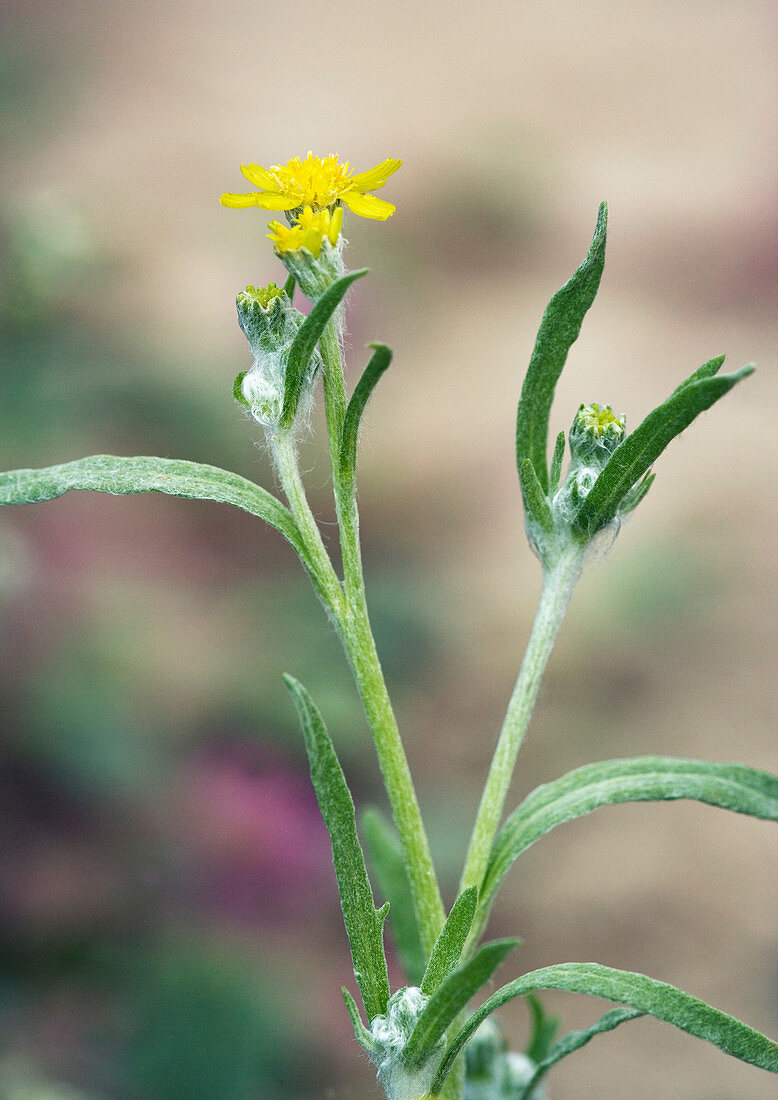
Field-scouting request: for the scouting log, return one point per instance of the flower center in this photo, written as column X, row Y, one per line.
column 599, row 418
column 315, row 181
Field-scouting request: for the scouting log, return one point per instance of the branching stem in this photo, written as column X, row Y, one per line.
column 558, row 583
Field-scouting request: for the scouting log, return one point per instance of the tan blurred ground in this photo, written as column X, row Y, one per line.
column 514, row 121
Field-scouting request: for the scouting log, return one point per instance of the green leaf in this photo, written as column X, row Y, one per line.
column 535, row 503
column 636, row 494
column 635, row 455
column 544, row 1028
column 380, row 360
column 448, row 946
column 177, row 477
column 363, row 1036
column 559, row 329
column 237, row 389
column 556, row 464
column 306, row 340
column 645, row 994
column 568, row 1044
column 707, row 370
column 450, row 998
column 145, row 474
column 388, row 861
column 289, row 286
column 640, row 779
column 364, row 923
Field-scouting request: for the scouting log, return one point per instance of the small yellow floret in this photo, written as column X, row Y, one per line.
column 309, row 231
column 598, row 419
column 318, row 182
column 264, row 295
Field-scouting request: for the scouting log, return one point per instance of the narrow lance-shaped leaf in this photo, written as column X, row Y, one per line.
column 145, row 474
column 707, row 370
column 448, row 946
column 364, row 923
column 386, row 856
column 555, row 475
column 306, row 340
column 641, row 448
column 289, row 286
column 657, row 999
column 380, row 360
column 544, row 1028
column 574, row 1040
column 450, row 998
column 559, row 329
column 535, row 503
column 121, row 475
column 363, row 1036
column 638, row 779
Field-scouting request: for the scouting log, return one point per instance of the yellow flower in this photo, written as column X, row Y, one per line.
column 308, row 231
column 318, row 182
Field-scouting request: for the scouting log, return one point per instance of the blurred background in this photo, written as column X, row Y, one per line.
column 170, row 924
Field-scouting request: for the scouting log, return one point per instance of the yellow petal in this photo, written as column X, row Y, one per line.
column 367, row 206
column 375, row 177
column 335, row 225
column 269, row 201
column 259, row 176
column 239, row 202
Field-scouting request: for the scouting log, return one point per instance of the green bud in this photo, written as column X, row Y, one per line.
column 484, row 1051
column 270, row 323
column 390, row 1034
column 595, row 434
column 315, row 273
column 492, row 1071
column 266, row 317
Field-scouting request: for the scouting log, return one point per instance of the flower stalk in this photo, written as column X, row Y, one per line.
column 359, row 643
column 559, row 580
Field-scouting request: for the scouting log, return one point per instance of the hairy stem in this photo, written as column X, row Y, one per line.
column 284, row 454
column 360, row 646
column 558, row 583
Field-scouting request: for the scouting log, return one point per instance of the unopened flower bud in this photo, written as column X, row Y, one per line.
column 595, row 434
column 311, row 249
column 266, row 316
column 270, row 323
column 391, row 1033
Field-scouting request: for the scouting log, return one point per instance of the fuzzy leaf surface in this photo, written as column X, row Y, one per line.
column 633, row 457
column 362, row 1035
column 707, row 370
column 448, row 946
column 385, row 853
column 574, row 1040
column 379, row 361
column 544, row 1028
column 146, row 474
column 450, row 998
column 364, row 923
column 305, row 341
column 535, row 503
column 558, row 331
column 638, row 779
column 645, row 994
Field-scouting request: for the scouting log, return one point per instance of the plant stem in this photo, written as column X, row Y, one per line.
column 319, row 565
column 558, row 583
column 358, row 641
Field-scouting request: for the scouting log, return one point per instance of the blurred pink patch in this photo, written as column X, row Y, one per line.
column 258, row 847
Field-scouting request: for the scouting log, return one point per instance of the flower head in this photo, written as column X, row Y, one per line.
column 309, row 231
column 318, row 182
column 595, row 433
